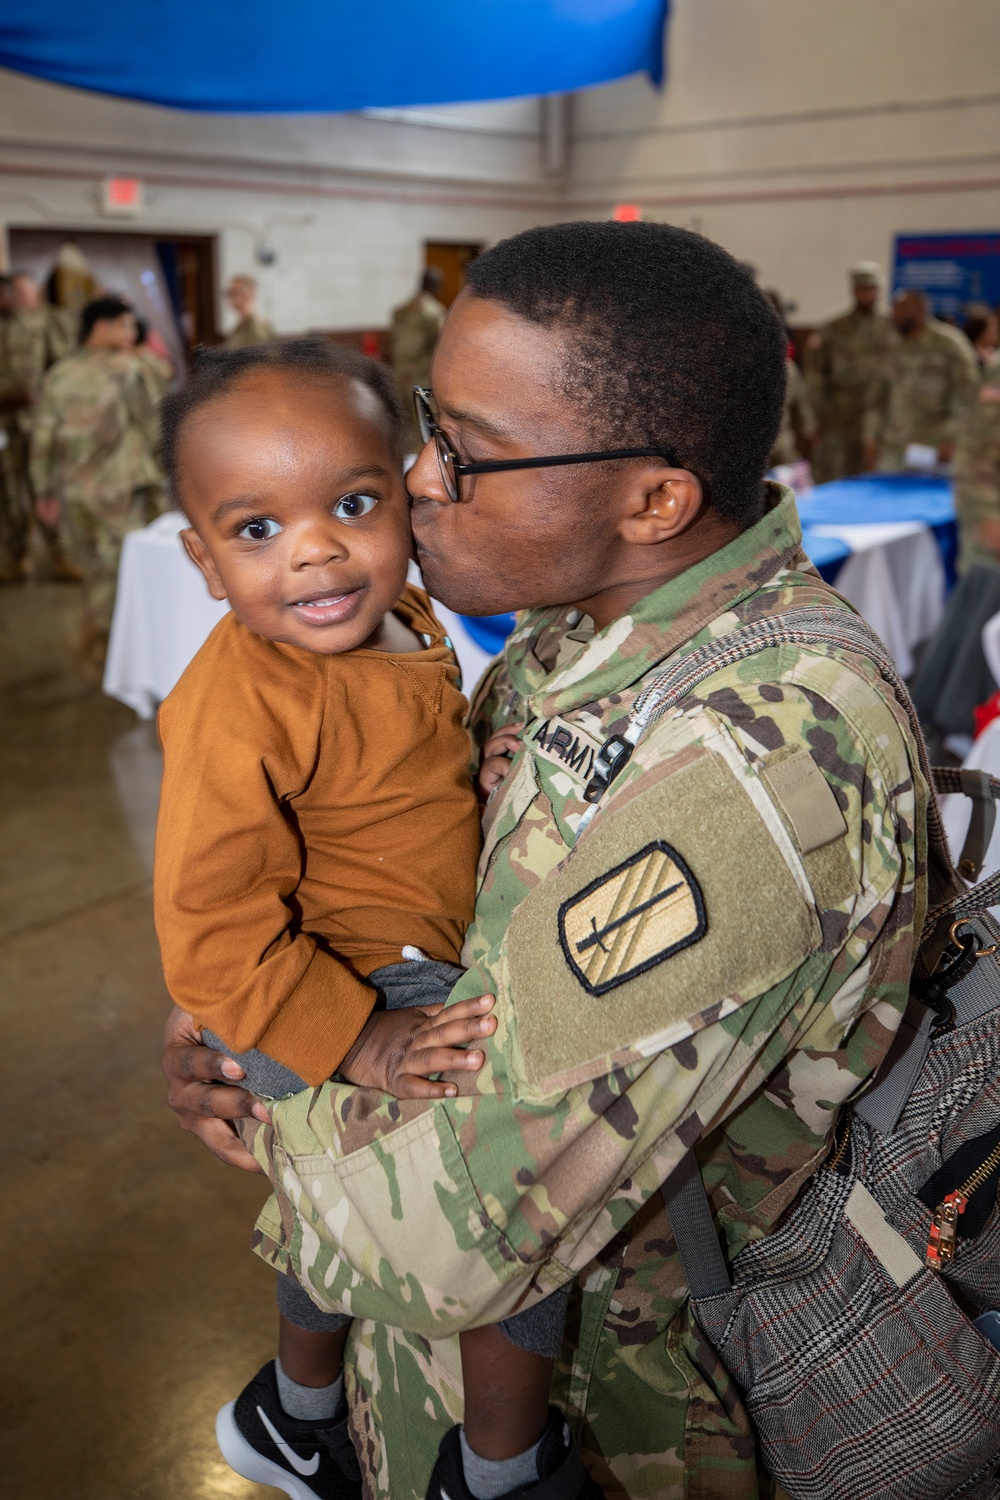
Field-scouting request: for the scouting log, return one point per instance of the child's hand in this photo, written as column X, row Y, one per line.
column 495, row 762
column 398, row 1048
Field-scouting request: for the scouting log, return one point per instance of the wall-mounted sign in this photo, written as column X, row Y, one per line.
column 953, row 269
column 122, row 195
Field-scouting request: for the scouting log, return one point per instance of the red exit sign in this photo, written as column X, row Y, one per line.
column 122, row 195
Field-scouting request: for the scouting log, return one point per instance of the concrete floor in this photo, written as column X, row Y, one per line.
column 130, row 1304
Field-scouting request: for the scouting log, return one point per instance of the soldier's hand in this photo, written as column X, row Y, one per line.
column 869, row 453
column 946, row 453
column 48, row 510
column 199, row 1095
column 398, row 1049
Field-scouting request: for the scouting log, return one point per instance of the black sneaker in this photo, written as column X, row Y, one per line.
column 561, row 1474
column 308, row 1460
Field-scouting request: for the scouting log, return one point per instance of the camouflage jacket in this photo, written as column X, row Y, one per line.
column 843, row 363
column 416, row 328
column 798, row 423
column 720, row 960
column 928, row 385
column 94, row 431
column 248, row 331
column 30, row 342
column 977, row 470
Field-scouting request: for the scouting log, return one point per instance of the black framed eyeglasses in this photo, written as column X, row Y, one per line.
column 452, row 468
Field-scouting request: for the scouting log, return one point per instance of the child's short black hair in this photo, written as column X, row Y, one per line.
column 671, row 344
column 101, row 310
column 216, row 370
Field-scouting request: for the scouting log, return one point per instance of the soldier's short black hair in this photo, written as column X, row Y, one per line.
column 101, row 310
column 671, row 344
column 218, row 370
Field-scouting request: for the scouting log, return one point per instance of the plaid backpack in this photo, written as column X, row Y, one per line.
column 859, row 1331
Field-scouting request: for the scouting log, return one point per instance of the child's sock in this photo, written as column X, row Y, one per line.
column 308, row 1403
column 489, row 1478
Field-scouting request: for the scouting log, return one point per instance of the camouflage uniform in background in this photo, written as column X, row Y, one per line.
column 416, row 328
column 798, row 422
column 843, row 363
column 723, row 959
column 977, row 472
column 94, row 437
column 928, row 384
column 249, row 330
column 30, row 343
column 156, row 372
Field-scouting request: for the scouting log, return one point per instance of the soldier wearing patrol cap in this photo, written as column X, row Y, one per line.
column 927, row 385
column 842, row 363
column 708, row 950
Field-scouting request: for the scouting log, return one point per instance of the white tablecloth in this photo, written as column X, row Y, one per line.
column 895, row 578
column 164, row 612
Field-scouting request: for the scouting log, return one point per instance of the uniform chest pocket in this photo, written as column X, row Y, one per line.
column 512, row 802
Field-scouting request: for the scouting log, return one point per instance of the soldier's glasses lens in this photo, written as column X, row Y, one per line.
column 446, row 463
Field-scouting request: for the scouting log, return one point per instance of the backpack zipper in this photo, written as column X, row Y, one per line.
column 944, row 1225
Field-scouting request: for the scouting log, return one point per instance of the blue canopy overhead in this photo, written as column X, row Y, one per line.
column 327, row 55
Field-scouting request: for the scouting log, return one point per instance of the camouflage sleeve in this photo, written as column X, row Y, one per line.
column 733, row 931
column 42, row 463
column 142, row 408
column 494, row 702
column 873, row 414
column 977, row 461
column 964, row 385
column 815, row 371
column 802, row 413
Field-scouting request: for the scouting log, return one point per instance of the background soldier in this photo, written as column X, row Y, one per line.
column 93, row 442
column 798, row 421
column 156, row 371
column 927, row 386
column 977, row 476
column 843, row 362
column 32, row 339
column 13, row 497
column 241, row 294
column 416, row 328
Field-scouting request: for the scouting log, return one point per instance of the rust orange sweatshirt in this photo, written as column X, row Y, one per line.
column 316, row 815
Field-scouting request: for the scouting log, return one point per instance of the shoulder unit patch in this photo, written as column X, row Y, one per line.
column 631, row 918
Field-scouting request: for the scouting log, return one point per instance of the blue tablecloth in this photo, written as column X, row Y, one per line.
column 827, row 553
column 871, row 498
column 880, row 497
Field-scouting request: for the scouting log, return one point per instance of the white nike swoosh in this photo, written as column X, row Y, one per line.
column 305, row 1467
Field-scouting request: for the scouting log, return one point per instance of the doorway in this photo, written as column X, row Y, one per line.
column 452, row 261
column 170, row 280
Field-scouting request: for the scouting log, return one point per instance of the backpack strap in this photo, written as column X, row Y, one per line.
column 684, row 1196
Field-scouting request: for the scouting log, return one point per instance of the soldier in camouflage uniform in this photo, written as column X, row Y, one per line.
column 241, row 294
column 843, row 362
column 928, row 384
column 93, row 441
column 413, row 336
column 977, row 476
column 32, row 339
column 717, row 957
column 798, row 422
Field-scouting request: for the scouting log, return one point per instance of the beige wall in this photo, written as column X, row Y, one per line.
column 803, row 134
column 346, row 201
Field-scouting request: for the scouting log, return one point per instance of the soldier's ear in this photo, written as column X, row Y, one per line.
column 664, row 505
column 202, row 558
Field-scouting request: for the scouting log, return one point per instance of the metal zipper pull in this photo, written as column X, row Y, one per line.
column 944, row 1231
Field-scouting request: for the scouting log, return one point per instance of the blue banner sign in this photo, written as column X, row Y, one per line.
column 953, row 269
